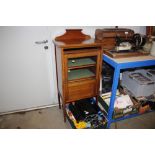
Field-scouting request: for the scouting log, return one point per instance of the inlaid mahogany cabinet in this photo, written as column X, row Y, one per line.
column 78, row 67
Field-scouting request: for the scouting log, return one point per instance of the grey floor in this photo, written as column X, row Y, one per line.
column 52, row 118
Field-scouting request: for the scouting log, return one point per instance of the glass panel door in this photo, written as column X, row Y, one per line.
column 83, row 67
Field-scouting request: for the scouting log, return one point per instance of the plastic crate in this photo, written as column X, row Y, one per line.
column 138, row 83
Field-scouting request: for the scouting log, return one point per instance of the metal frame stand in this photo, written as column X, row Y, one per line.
column 117, row 68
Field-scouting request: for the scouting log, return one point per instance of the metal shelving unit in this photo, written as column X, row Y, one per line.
column 124, row 63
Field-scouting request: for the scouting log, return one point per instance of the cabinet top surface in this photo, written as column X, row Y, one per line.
column 77, row 43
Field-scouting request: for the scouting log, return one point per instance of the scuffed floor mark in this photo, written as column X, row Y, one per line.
column 21, row 113
column 1, row 119
column 40, row 112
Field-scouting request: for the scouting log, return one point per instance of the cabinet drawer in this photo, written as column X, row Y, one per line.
column 83, row 89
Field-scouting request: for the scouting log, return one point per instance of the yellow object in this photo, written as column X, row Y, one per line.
column 80, row 125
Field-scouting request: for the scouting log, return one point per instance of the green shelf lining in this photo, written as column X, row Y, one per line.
column 80, row 62
column 80, row 73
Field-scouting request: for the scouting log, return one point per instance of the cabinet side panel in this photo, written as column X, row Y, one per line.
column 59, row 69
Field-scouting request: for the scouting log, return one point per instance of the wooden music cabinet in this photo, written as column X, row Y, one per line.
column 78, row 67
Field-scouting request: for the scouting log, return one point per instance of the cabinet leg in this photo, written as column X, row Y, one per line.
column 97, row 99
column 59, row 101
column 64, row 112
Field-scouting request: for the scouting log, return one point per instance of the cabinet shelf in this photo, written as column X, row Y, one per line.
column 80, row 73
column 80, row 63
column 82, row 66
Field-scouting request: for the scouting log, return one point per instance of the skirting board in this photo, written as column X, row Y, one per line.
column 28, row 109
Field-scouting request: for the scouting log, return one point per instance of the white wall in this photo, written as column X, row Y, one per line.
column 26, row 73
column 19, row 84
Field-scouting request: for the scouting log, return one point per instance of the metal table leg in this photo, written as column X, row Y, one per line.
column 113, row 95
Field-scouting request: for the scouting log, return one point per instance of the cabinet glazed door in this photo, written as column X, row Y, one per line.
column 82, row 73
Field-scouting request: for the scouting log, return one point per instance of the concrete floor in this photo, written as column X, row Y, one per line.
column 52, row 118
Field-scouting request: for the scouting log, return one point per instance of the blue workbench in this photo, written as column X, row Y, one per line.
column 124, row 63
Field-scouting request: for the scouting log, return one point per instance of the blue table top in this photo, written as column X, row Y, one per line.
column 130, row 62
